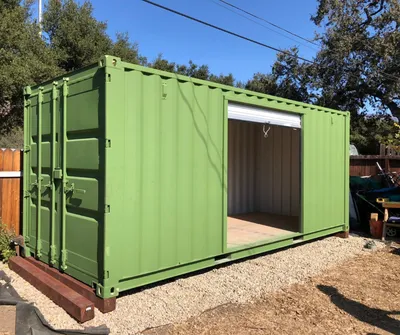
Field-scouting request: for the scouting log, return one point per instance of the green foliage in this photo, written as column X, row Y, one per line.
column 191, row 70
column 6, row 250
column 78, row 38
column 368, row 131
column 75, row 36
column 293, row 77
column 263, row 83
column 14, row 138
column 228, row 79
column 288, row 79
column 358, row 65
column 24, row 60
column 126, row 50
column 162, row 64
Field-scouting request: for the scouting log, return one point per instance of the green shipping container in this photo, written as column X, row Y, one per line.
column 133, row 175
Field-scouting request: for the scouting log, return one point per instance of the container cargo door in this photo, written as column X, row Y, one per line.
column 42, row 188
column 82, row 164
column 64, row 184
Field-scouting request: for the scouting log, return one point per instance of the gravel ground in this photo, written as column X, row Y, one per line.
column 178, row 300
column 359, row 296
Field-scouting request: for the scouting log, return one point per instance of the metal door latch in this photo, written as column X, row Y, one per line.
column 48, row 186
column 35, row 184
column 72, row 189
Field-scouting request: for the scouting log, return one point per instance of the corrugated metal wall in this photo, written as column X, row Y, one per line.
column 263, row 173
column 278, row 171
column 171, row 158
column 242, row 153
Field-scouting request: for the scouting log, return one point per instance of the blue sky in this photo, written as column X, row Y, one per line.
column 179, row 39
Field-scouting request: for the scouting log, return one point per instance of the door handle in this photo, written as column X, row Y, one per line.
column 35, row 184
column 72, row 189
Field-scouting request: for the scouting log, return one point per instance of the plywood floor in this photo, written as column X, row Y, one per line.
column 254, row 227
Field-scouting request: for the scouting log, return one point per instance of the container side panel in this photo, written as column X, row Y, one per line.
column 172, row 171
column 324, row 170
column 216, row 181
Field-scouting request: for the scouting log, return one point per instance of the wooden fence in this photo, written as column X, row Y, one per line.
column 10, row 188
column 366, row 165
column 387, row 150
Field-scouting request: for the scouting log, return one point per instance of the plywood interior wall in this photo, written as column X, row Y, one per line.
column 263, row 173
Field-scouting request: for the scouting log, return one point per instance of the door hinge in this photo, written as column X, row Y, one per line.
column 65, row 87
column 53, row 254
column 164, row 90
column 64, row 258
column 27, row 148
column 108, row 143
column 106, row 208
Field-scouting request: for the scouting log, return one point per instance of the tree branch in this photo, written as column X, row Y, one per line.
column 394, row 108
column 391, row 104
column 370, row 15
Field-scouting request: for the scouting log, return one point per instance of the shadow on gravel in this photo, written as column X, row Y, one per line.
column 217, row 266
column 373, row 316
column 396, row 252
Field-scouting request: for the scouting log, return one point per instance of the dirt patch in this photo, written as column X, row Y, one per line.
column 7, row 320
column 361, row 296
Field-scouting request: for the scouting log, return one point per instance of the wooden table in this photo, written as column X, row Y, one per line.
column 389, row 205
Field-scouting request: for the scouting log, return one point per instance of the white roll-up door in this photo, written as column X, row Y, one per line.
column 263, row 115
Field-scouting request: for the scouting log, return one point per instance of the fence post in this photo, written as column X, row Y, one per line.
column 387, row 164
column 382, row 150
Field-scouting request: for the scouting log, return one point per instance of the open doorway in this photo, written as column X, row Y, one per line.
column 263, row 175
